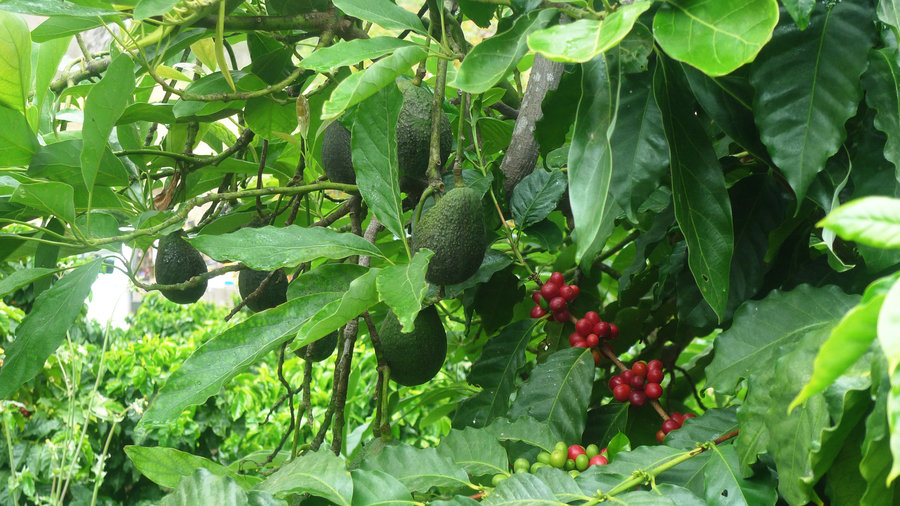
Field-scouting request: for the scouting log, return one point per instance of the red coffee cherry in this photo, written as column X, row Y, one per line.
column 601, row 329
column 557, row 304
column 670, row 425
column 592, row 340
column 538, row 312
column 567, row 292
column 655, row 376
column 583, row 327
column 549, row 290
column 536, row 297
column 653, row 390
column 561, row 316
column 637, row 398
column 639, row 368
column 622, row 392
column 557, row 279
column 592, row 317
column 613, row 331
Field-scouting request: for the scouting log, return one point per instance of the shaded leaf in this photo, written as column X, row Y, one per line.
column 725, row 484
column 417, row 468
column 582, row 40
column 17, row 143
column 523, row 429
column 320, row 473
column 360, row 296
column 706, row 427
column 800, row 11
column 268, row 118
column 521, row 488
column 476, row 450
column 204, row 487
column 536, row 196
column 167, row 466
column 882, row 83
column 376, row 487
column 561, row 484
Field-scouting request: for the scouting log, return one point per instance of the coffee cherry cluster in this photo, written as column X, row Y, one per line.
column 574, row 459
column 638, row 384
column 675, row 421
column 590, row 330
column 556, row 294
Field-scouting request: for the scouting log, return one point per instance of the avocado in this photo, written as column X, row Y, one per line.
column 273, row 294
column 336, row 155
column 454, row 230
column 319, row 350
column 417, row 356
column 414, row 139
column 176, row 262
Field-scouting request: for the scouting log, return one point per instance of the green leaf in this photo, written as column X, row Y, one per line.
column 142, row 111
column 402, row 287
column 215, row 83
column 267, row 118
column 475, row 450
column 561, row 484
column 582, row 40
column 383, row 13
column 702, row 207
column 417, row 468
column 48, row 57
column 536, row 196
column 875, row 465
column 148, row 8
column 882, row 83
column 873, row 221
column 706, row 427
column 807, row 87
column 166, row 466
column 762, row 329
column 495, row 371
column 723, row 479
column 18, row 279
column 204, row 487
column 494, row 58
column 889, row 12
column 521, row 488
column 523, row 429
column 590, row 155
column 104, row 104
column 334, row 278
column 373, row 141
column 17, row 142
column 889, row 328
column 363, row 84
column 494, row 261
column 226, row 355
column 44, row 328
column 800, row 11
column 270, row 248
column 480, row 13
column 376, row 487
column 63, row 26
column 360, row 296
column 320, row 473
column 56, row 199
column 716, row 37
column 351, row 52
column 57, row 8
column 558, row 393
column 60, row 162
column 15, row 61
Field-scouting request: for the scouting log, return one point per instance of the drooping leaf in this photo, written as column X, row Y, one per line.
column 536, row 196
column 475, row 450
column 44, row 328
column 268, row 118
column 582, row 40
column 417, row 468
column 873, row 221
column 807, row 87
column 716, row 37
column 383, row 13
column 493, row 59
column 558, row 393
column 360, row 296
column 403, row 286
column 373, row 141
column 363, row 84
column 167, row 466
column 377, row 487
column 204, row 487
column 494, row 261
column 480, row 13
column 521, row 488
column 351, row 52
column 17, row 143
column 49, row 56
column 889, row 12
column 320, row 473
column 226, row 355
column 702, row 206
column 270, row 248
column 15, row 61
column 523, row 429
column 882, row 83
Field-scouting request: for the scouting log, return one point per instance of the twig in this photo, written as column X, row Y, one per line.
column 259, row 173
column 608, row 353
column 287, row 387
column 255, row 293
column 690, row 381
column 434, row 157
column 382, row 426
column 93, row 68
column 192, row 282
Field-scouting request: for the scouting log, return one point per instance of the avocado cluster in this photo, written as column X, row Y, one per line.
column 414, row 357
column 454, row 230
column 176, row 262
column 273, row 294
column 320, row 349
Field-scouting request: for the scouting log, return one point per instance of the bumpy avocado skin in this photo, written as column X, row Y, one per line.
column 416, row 357
column 274, row 294
column 454, row 230
column 319, row 350
column 176, row 262
column 414, row 139
column 336, row 155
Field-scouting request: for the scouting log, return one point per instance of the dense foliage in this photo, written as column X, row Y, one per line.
column 703, row 196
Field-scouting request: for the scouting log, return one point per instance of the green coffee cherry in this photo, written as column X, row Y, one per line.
column 581, row 462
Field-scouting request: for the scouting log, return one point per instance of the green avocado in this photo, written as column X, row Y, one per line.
column 319, row 350
column 274, row 293
column 176, row 262
column 336, row 155
column 414, row 138
column 454, row 230
column 417, row 356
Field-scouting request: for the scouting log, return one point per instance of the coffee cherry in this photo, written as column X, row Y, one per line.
column 498, row 478
column 660, row 435
column 655, row 375
column 598, row 460
column 558, row 459
column 544, row 457
column 549, row 290
column 592, row 317
column 626, row 375
column 520, row 464
column 583, row 327
column 580, row 344
column 670, row 425
column 561, row 446
column 689, row 415
column 636, row 382
column 601, row 329
column 678, row 417
column 574, row 473
column 574, row 338
column 576, row 290
column 653, row 390
column 570, row 465
column 592, row 340
column 614, row 381
column 655, row 364
column 557, row 304
column 639, row 368
column 568, row 292
column 557, row 279
column 582, row 462
column 597, row 357
column 536, row 297
column 613, row 331
column 561, row 316
column 575, row 450
column 536, row 466
column 621, row 392
column 538, row 312
column 637, row 398
column 591, row 450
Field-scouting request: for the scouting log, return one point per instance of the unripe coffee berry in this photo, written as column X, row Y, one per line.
column 660, row 435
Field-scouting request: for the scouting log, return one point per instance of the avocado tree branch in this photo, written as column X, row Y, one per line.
column 192, row 282
column 93, row 68
column 312, row 23
column 382, row 426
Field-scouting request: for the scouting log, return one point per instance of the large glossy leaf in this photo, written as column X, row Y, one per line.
column 590, row 154
column 17, row 279
column 351, row 52
column 377, row 487
column 558, row 393
column 521, row 488
column 325, row 278
column 270, row 248
column 582, row 40
column 523, row 429
column 889, row 327
column 44, row 328
column 17, row 143
column 761, row 329
column 724, row 481
column 477, row 450
column 873, row 221
column 360, row 296
column 373, row 142
column 226, row 355
column 716, row 37
column 403, row 286
column 15, row 61
column 536, row 196
column 495, row 371
column 889, row 12
column 104, row 104
column 417, row 468
column 702, row 207
column 807, row 87
column 882, row 83
column 365, row 83
column 167, row 466
column 55, row 199
column 493, row 59
column 204, row 487
column 383, row 13
column 321, row 473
